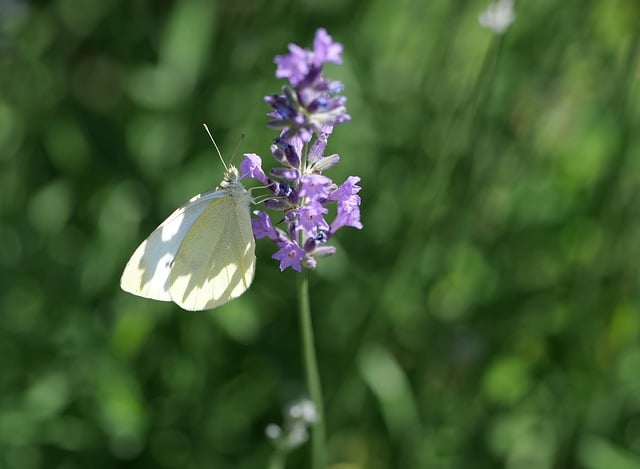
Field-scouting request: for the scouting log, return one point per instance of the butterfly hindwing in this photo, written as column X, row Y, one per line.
column 204, row 278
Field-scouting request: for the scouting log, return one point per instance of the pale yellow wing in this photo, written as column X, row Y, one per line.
column 147, row 272
column 216, row 260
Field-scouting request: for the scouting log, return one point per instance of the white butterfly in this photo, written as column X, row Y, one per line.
column 202, row 255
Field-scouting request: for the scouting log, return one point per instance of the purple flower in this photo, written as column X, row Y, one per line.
column 346, row 218
column 347, row 190
column 262, row 227
column 314, row 186
column 305, row 113
column 294, row 66
column 311, row 217
column 348, row 204
column 289, row 255
column 251, row 167
column 300, row 63
column 311, row 102
column 325, row 50
column 286, row 173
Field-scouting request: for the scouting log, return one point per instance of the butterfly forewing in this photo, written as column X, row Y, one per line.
column 147, row 272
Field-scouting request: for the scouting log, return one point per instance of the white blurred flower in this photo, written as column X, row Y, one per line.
column 273, row 431
column 297, row 435
column 498, row 16
column 303, row 410
column 299, row 416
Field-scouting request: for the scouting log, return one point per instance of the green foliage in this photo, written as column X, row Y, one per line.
column 488, row 315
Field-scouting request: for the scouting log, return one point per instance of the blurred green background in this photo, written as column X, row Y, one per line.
column 488, row 315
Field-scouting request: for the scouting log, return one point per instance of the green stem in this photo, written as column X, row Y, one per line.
column 277, row 460
column 311, row 370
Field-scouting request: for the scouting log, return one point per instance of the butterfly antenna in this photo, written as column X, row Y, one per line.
column 215, row 145
column 235, row 150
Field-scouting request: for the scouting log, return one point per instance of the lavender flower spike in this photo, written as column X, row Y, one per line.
column 305, row 113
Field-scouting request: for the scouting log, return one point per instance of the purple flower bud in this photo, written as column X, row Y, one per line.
column 311, row 245
column 284, row 189
column 318, row 105
column 325, row 163
column 303, row 132
column 285, row 173
column 309, row 262
column 298, row 143
column 335, row 87
column 278, row 153
column 277, row 204
column 317, row 149
column 283, row 108
column 292, row 155
column 324, row 251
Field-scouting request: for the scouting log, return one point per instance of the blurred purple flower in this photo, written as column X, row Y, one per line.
column 310, row 102
column 302, row 65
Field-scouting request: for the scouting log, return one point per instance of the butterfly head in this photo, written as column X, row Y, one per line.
column 231, row 178
column 232, row 186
